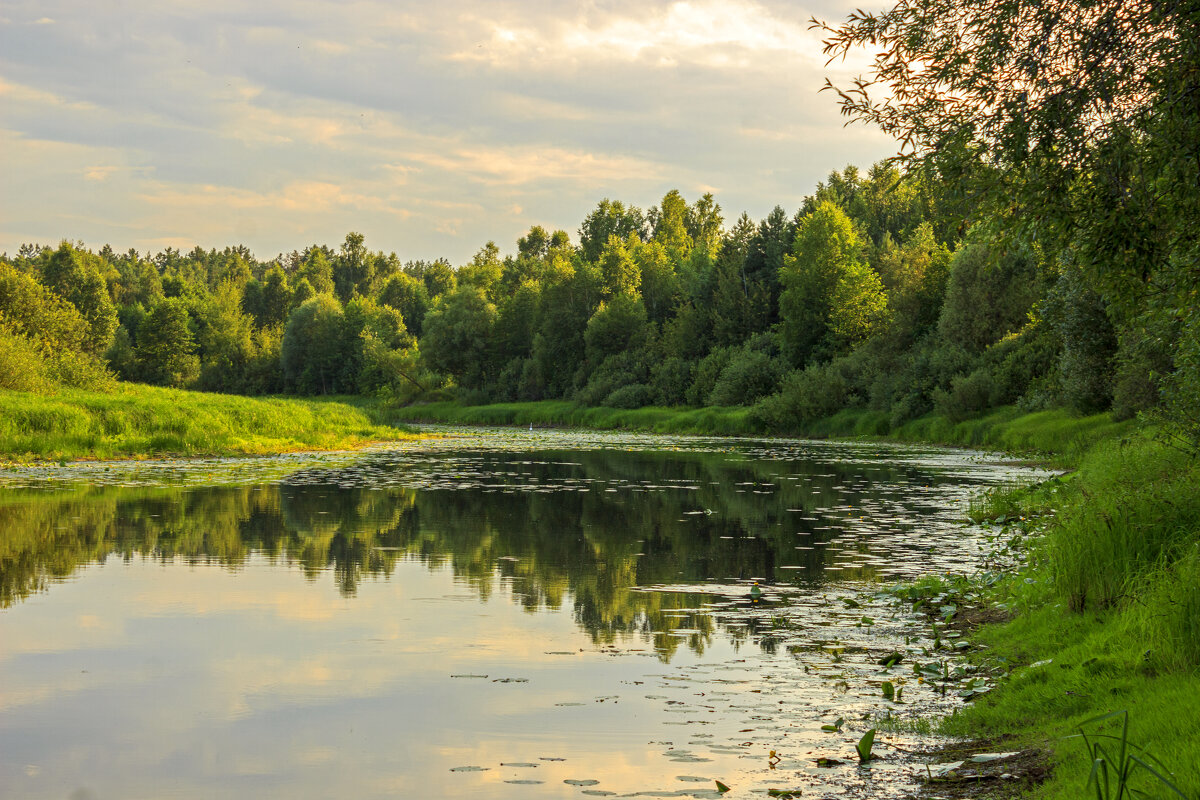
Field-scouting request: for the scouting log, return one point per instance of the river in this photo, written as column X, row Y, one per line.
column 485, row 614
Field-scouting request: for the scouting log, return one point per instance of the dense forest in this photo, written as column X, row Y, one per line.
column 881, row 291
column 1034, row 244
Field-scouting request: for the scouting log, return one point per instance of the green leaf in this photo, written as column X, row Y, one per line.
column 864, row 746
column 722, row 788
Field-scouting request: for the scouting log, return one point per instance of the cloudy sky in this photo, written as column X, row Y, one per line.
column 429, row 127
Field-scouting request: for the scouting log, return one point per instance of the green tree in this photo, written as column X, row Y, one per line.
column 618, row 325
column 619, row 272
column 457, row 336
column 409, row 296
column 831, row 298
column 76, row 277
column 30, row 310
column 989, row 293
column 609, row 218
column 313, row 350
column 1071, row 123
column 166, row 346
column 484, row 271
column 317, row 270
column 670, row 221
column 353, row 268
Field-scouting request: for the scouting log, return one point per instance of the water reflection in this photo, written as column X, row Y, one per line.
column 360, row 625
column 551, row 526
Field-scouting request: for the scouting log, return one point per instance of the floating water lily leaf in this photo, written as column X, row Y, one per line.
column 598, row 792
column 523, row 782
column 581, row 782
column 942, row 770
column 785, row 794
column 468, row 676
column 516, row 764
column 692, row 779
column 823, row 761
column 468, row 769
column 835, row 727
column 891, row 659
column 851, row 603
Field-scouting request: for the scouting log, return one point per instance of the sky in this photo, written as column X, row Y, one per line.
column 428, row 127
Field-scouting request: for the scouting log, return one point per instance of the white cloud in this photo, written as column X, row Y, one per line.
column 424, row 126
column 725, row 34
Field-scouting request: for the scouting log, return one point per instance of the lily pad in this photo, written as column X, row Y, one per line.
column 942, row 770
column 469, row 769
column 581, row 782
column 983, row 758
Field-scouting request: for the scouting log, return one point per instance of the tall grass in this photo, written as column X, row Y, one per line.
column 1134, row 512
column 135, row 420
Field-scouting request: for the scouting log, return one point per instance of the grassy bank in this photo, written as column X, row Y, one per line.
column 711, row 421
column 1106, row 619
column 1056, row 434
column 135, row 421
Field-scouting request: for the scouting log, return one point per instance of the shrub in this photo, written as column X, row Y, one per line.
column 669, row 380
column 633, row 395
column 746, row 377
column 806, row 395
column 706, row 374
column 22, row 366
column 967, row 396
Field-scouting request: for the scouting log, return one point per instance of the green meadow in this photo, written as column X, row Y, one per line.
column 135, row 421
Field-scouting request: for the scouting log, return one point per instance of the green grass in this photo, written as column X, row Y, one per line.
column 1053, row 435
column 1098, row 664
column 1113, row 600
column 135, row 420
column 734, row 421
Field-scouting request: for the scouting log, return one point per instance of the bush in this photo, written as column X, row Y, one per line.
column 613, row 373
column 22, row 366
column 806, row 395
column 669, row 380
column 634, row 395
column 907, row 385
column 968, row 395
column 746, row 377
column 706, row 374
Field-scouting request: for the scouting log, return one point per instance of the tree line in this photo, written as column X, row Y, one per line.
column 880, row 291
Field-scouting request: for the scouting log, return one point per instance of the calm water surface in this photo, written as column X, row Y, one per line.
column 492, row 614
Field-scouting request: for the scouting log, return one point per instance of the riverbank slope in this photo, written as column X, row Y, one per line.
column 135, row 421
column 1103, row 626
